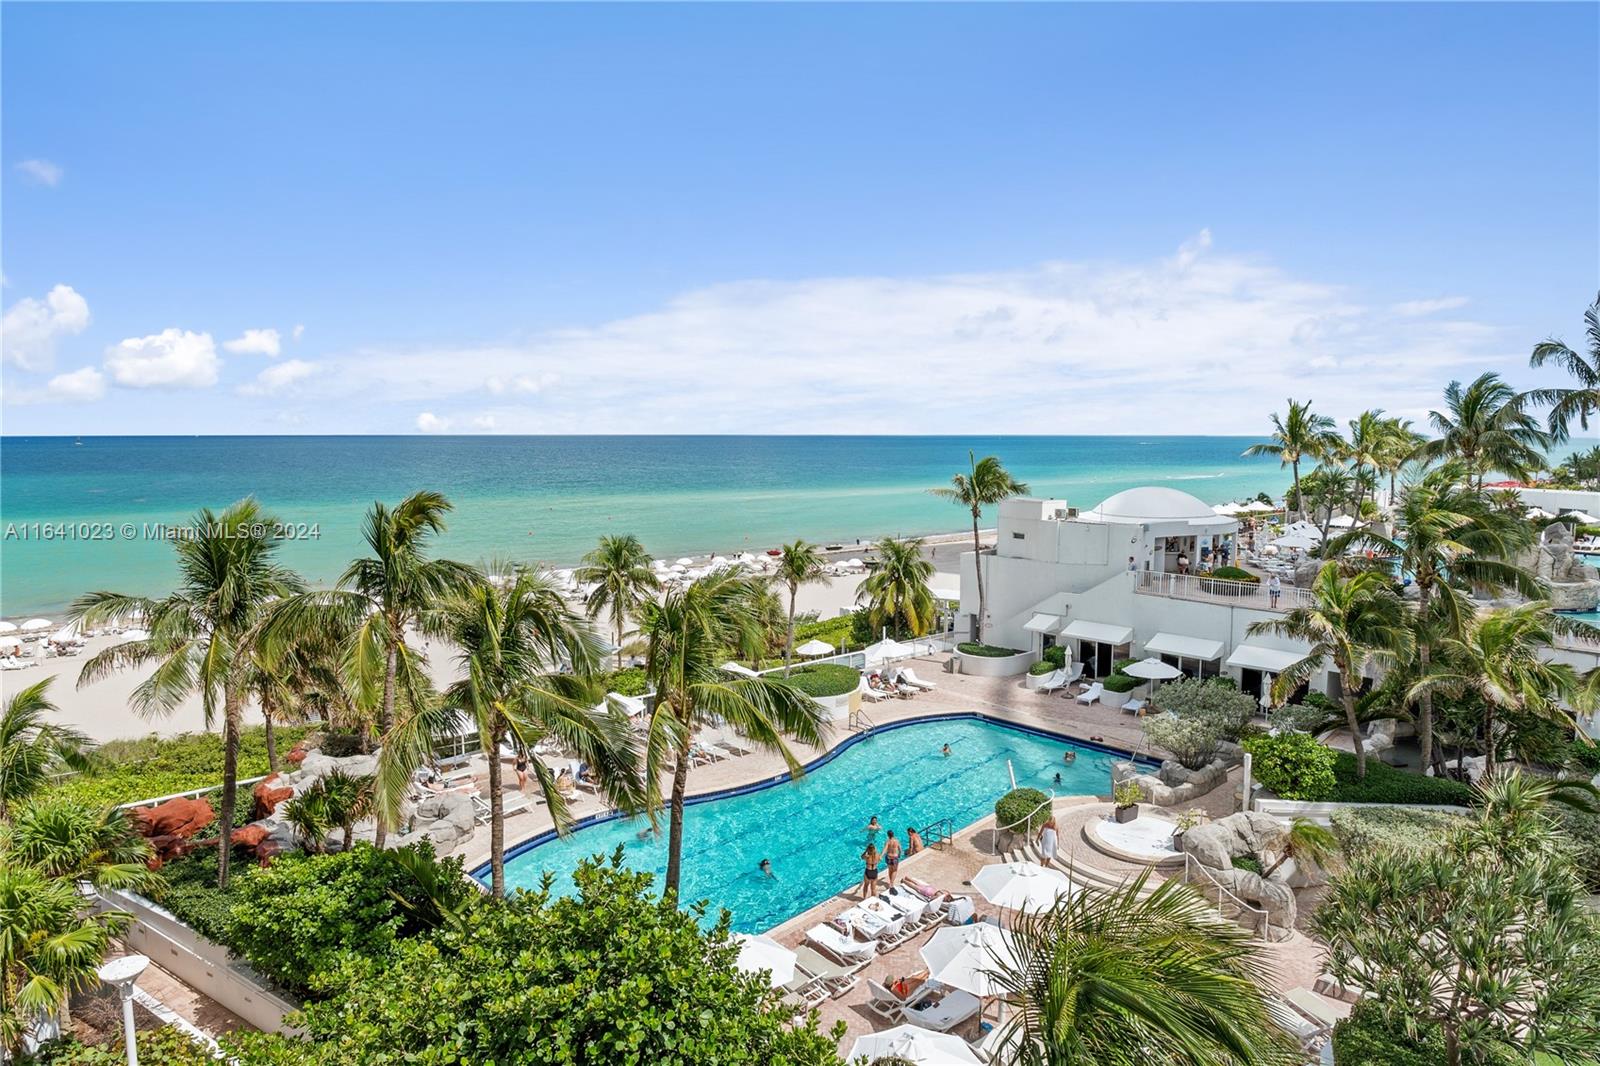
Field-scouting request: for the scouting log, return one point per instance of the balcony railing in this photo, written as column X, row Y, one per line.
column 1221, row 591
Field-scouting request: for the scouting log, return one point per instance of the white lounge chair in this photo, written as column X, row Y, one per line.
column 1075, row 673
column 512, row 803
column 883, row 1002
column 846, row 949
column 943, row 1015
column 868, row 692
column 834, row 976
column 1313, row 1006
column 1053, row 681
column 1133, row 707
column 909, row 677
column 632, row 706
column 1285, row 1017
column 1092, row 693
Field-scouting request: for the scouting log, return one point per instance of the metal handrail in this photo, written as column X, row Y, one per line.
column 1264, row 926
column 939, row 832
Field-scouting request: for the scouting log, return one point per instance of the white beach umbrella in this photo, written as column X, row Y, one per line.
column 33, row 625
column 685, row 561
column 65, row 634
column 964, row 957
column 135, row 634
column 8, row 627
column 814, row 647
column 888, row 650
column 1582, row 517
column 10, row 642
column 1539, row 512
column 1295, row 540
column 758, row 953
column 913, row 1044
column 1152, row 669
column 1021, row 885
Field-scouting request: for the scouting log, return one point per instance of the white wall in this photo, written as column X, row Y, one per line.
column 1559, row 500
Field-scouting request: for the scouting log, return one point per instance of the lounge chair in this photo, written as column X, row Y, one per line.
column 512, row 803
column 843, row 948
column 835, row 977
column 911, row 904
column 1134, row 707
column 883, row 1002
column 1313, row 1006
column 1092, row 693
column 875, row 695
column 1075, row 673
column 1052, row 681
column 909, row 677
column 1308, row 1033
column 633, row 706
column 944, row 1014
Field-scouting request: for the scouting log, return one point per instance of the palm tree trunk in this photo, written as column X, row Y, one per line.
column 272, row 740
column 1299, row 501
column 232, row 710
column 1348, row 696
column 1425, row 704
column 497, row 818
column 1489, row 745
column 977, row 566
column 380, row 832
column 680, row 785
column 788, row 647
column 618, row 620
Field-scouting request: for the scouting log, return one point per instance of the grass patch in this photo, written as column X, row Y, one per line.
column 1387, row 784
column 824, row 679
column 987, row 651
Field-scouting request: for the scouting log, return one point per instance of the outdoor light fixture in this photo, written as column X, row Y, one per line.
column 122, row 973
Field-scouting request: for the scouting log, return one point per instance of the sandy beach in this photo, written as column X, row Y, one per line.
column 102, row 709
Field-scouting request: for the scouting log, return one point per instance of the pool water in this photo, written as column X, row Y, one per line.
column 814, row 830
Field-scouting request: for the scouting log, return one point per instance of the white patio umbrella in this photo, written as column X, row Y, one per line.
column 33, row 625
column 913, row 1044
column 1152, row 670
column 685, row 561
column 1343, row 521
column 887, row 650
column 814, row 647
column 135, row 634
column 8, row 627
column 1577, row 516
column 964, row 956
column 764, row 953
column 10, row 642
column 1295, row 540
column 1022, row 885
column 1539, row 512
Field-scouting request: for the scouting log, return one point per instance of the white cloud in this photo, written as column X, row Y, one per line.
column 278, row 377
column 83, row 385
column 31, row 327
column 41, row 172
column 1416, row 308
column 428, row 422
column 176, row 359
column 298, row 332
column 484, row 422
column 256, row 342
column 1200, row 341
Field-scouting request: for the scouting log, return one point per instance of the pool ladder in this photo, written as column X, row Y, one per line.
column 940, row 834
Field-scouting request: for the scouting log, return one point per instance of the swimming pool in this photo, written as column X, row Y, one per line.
column 813, row 830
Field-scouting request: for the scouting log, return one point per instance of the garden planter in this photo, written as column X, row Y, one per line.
column 1128, row 813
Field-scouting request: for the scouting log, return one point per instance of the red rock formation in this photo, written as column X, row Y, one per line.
column 297, row 754
column 267, row 798
column 181, row 818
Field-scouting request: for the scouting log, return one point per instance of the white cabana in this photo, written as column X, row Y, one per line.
column 34, row 625
column 1183, row 647
column 1099, row 632
column 912, row 1043
column 965, row 957
column 812, row 648
column 1022, row 885
column 1268, row 660
column 757, row 953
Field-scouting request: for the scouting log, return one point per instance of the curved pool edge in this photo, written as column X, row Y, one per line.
column 544, row 836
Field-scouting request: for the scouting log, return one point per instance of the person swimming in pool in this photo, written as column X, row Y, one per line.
column 1069, row 757
column 947, row 751
column 766, row 868
column 1058, row 777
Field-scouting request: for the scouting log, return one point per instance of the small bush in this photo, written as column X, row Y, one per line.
column 1122, row 664
column 1365, row 1039
column 1056, row 656
column 1042, row 667
column 1250, row 863
column 1126, row 793
column 1367, row 830
column 1387, row 784
column 1225, row 710
column 1121, row 683
column 1019, row 804
column 628, row 682
column 1582, row 832
column 987, row 651
column 1234, row 573
column 1192, row 740
column 1584, row 755
column 340, row 743
column 825, row 679
column 1294, row 766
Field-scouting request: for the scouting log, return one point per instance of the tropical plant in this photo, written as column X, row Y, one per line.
column 1306, row 841
column 1508, row 960
column 1298, row 434
column 71, row 842
column 1118, row 977
column 1365, row 448
column 619, row 569
column 1454, row 539
column 32, row 747
column 298, row 680
column 335, row 801
column 1486, row 426
column 528, row 665
column 312, row 821
column 1294, row 766
column 1351, row 622
column 799, row 564
column 1580, row 470
column 896, row 593
column 1574, row 404
column 202, row 634
column 1192, row 739
column 985, row 484
column 1022, row 811
column 1396, row 447
column 688, row 634
column 375, row 601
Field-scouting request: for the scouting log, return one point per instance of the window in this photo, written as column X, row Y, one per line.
column 1018, row 536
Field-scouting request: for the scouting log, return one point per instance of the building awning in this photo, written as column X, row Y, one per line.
column 1043, row 623
column 1272, row 660
column 1183, row 647
column 1101, row 632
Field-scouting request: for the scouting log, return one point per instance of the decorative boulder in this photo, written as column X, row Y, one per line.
column 1215, row 846
column 176, row 817
column 1174, row 784
column 446, row 820
column 267, row 794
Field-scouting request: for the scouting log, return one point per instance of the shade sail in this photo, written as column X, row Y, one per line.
column 1272, row 660
column 1183, row 647
column 1043, row 623
column 1103, row 632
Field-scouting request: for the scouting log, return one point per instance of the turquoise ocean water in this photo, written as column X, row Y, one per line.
column 538, row 498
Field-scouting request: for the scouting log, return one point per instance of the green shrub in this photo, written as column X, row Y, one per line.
column 1056, row 656
column 191, row 894
column 1042, row 667
column 839, row 631
column 1225, row 710
column 987, row 651
column 1122, row 664
column 340, row 743
column 1365, row 1039
column 123, row 771
column 1321, row 701
column 1582, row 832
column 628, row 682
column 1367, row 830
column 825, row 679
column 1019, row 804
column 1585, row 755
column 1250, row 863
column 1121, row 683
column 157, row 1047
column 1192, row 739
column 1293, row 765
column 1234, row 573
column 1388, row 784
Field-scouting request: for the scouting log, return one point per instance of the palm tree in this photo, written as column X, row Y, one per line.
column 688, row 634
column 896, row 593
column 1499, row 657
column 1120, row 977
column 799, row 564
column 619, row 570
column 1454, row 538
column 985, row 484
column 1306, row 840
column 64, row 839
column 31, row 747
column 1299, row 434
column 1352, row 621
column 202, row 634
column 514, row 636
column 375, row 601
column 1578, row 403
column 1399, row 443
column 1364, row 451
column 301, row 680
column 1487, row 427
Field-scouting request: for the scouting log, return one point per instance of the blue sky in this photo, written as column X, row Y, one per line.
column 1053, row 219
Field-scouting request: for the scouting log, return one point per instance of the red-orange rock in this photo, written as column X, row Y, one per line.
column 267, row 797
column 297, row 754
column 249, row 836
column 181, row 818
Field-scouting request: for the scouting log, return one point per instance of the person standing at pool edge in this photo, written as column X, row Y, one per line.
column 891, row 856
column 1047, row 840
column 913, row 840
column 869, row 875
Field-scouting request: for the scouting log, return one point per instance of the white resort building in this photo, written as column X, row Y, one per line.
column 1121, row 581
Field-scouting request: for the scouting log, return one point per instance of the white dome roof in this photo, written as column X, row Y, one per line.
column 1152, row 504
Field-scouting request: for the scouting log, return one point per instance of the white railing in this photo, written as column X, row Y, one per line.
column 1204, row 589
column 1263, row 926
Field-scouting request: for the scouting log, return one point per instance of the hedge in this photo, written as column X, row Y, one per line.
column 988, row 651
column 1234, row 573
column 1365, row 1039
column 628, row 682
column 1021, row 803
column 824, row 679
column 1293, row 765
column 1042, row 667
column 157, row 1047
column 1118, row 682
column 123, row 771
column 1387, row 784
